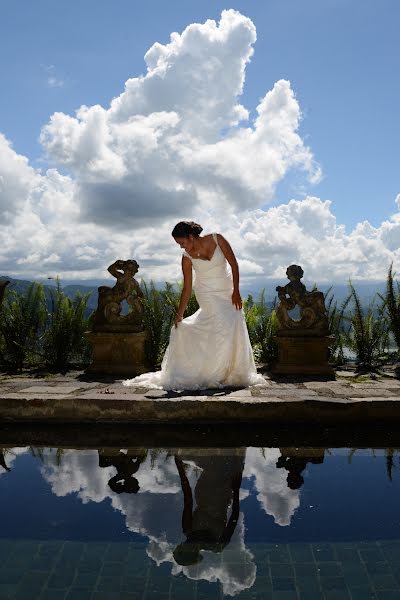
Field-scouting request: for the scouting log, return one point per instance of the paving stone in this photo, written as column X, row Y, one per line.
column 50, row 389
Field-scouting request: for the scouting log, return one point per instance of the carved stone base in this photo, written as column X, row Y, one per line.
column 118, row 353
column 303, row 355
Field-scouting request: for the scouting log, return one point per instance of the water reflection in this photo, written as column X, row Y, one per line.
column 189, row 503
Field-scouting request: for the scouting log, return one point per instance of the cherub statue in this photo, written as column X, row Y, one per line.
column 108, row 314
column 312, row 304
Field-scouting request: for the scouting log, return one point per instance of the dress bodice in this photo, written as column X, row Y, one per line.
column 213, row 274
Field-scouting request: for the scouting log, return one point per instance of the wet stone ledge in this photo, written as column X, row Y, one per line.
column 79, row 398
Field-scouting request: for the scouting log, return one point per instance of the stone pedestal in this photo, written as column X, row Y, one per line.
column 303, row 355
column 118, row 353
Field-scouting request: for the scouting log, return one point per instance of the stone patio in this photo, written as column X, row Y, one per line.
column 78, row 397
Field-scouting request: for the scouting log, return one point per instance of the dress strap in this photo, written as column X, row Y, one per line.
column 215, row 238
column 186, row 254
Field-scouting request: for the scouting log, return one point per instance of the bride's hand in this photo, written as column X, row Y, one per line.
column 237, row 299
column 178, row 319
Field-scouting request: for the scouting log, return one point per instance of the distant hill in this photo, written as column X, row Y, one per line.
column 366, row 290
column 21, row 286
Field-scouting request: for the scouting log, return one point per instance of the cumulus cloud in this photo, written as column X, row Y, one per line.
column 173, row 139
column 177, row 143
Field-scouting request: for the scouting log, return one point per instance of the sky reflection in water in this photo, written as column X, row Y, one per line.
column 189, row 506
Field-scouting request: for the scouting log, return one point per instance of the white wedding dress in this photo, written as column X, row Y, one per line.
column 211, row 348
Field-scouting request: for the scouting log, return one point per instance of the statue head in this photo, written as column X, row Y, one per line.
column 294, row 272
column 131, row 267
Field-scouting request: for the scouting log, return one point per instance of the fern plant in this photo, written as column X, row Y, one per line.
column 262, row 324
column 160, row 309
column 392, row 304
column 21, row 324
column 63, row 339
column 336, row 322
column 368, row 335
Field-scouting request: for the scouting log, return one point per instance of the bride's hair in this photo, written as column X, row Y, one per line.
column 186, row 228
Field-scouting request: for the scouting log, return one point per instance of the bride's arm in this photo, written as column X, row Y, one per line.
column 231, row 258
column 187, row 288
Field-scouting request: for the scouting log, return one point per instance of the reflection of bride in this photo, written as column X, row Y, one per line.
column 207, row 526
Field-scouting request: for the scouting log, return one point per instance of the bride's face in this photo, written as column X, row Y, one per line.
column 185, row 242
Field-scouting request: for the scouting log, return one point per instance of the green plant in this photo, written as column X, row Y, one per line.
column 392, row 304
column 22, row 319
column 262, row 324
column 63, row 339
column 160, row 309
column 368, row 334
column 336, row 320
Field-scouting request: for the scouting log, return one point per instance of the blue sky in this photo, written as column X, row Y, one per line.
column 341, row 56
column 342, row 59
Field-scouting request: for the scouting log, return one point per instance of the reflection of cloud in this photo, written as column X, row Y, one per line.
column 9, row 457
column 273, row 494
column 155, row 512
column 236, row 571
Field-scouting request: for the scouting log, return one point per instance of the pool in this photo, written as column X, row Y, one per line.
column 263, row 523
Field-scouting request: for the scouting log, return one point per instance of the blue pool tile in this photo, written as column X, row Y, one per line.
column 112, row 568
column 323, row 552
column 336, row 595
column 306, row 569
column 79, row 594
column 262, row 585
column 284, row 595
column 208, row 591
column 183, row 588
column 7, row 590
column 85, row 580
column 6, row 548
column 311, row 596
column 306, row 583
column 380, row 567
column 134, row 584
column 61, row 578
column 281, row 570
column 362, row 593
column 117, row 552
column 10, row 575
column 282, row 584
column 387, row 595
column 108, row 595
column 391, row 550
column 333, row 569
column 95, row 550
column 384, row 582
column 301, row 553
column 279, row 553
column 109, row 584
column 333, row 583
column 52, row 595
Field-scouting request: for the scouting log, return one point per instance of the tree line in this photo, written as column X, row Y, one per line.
column 35, row 333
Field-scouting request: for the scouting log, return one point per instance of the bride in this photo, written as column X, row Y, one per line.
column 211, row 348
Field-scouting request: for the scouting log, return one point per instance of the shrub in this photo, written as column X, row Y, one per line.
column 392, row 305
column 22, row 317
column 368, row 334
column 336, row 320
column 262, row 324
column 63, row 339
column 160, row 309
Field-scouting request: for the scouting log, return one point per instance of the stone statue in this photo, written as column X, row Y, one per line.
column 303, row 343
column 108, row 315
column 3, row 285
column 313, row 316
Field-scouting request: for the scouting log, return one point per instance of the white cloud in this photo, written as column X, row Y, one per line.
column 178, row 144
